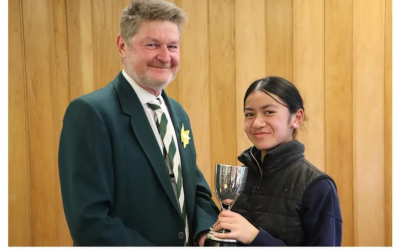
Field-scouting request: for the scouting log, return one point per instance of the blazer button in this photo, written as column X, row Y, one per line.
column 181, row 235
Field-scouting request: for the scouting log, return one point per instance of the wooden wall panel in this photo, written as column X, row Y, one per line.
column 222, row 84
column 105, row 52
column 80, row 47
column 250, row 40
column 368, row 126
column 61, row 100
column 279, row 38
column 308, row 75
column 173, row 88
column 19, row 217
column 338, row 53
column 194, row 79
column 388, row 122
column 43, row 121
column 338, row 106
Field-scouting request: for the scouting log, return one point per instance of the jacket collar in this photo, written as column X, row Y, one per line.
column 276, row 159
column 132, row 107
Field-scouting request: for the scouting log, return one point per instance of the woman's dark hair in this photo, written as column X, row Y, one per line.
column 280, row 87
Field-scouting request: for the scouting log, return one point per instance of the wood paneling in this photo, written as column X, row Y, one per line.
column 173, row 88
column 388, row 122
column 222, row 84
column 61, row 101
column 250, row 40
column 80, row 47
column 279, row 38
column 19, row 208
column 339, row 106
column 368, row 125
column 337, row 52
column 43, row 121
column 105, row 55
column 308, row 75
column 194, row 79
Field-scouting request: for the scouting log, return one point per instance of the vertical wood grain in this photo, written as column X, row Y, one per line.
column 80, row 47
column 388, row 122
column 62, row 99
column 19, row 209
column 222, row 84
column 279, row 38
column 105, row 53
column 250, row 40
column 43, row 121
column 338, row 106
column 337, row 52
column 194, row 79
column 368, row 126
column 173, row 88
column 308, row 75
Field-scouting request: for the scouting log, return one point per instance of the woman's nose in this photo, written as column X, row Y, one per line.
column 259, row 122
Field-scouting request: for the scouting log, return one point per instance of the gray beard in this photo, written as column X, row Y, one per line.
column 146, row 81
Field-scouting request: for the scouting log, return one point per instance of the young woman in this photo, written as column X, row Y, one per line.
column 286, row 201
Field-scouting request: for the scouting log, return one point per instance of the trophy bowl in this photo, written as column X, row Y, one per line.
column 229, row 184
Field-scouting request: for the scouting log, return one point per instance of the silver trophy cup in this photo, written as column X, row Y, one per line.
column 229, row 184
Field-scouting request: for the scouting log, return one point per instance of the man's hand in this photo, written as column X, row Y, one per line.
column 201, row 239
column 241, row 229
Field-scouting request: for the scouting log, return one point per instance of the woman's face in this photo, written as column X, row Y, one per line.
column 267, row 123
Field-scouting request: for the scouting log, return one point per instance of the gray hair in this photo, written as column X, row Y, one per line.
column 149, row 10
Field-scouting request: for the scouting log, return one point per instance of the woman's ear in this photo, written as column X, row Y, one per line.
column 298, row 119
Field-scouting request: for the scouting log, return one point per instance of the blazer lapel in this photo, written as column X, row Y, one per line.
column 131, row 106
column 187, row 171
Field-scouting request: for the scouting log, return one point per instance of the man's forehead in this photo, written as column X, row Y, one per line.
column 157, row 40
column 156, row 30
column 158, row 24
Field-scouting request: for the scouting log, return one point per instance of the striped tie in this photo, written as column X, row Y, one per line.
column 173, row 160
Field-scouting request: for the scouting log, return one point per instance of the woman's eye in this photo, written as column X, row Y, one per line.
column 269, row 112
column 248, row 114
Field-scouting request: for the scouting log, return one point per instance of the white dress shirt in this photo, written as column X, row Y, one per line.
column 145, row 97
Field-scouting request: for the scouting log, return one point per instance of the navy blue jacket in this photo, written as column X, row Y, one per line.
column 322, row 218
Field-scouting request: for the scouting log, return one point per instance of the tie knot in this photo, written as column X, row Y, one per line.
column 154, row 104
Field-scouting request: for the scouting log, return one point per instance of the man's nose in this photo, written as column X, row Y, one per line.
column 163, row 54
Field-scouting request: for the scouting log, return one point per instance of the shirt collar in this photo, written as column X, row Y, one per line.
column 143, row 95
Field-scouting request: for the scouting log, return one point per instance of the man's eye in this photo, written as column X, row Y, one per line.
column 151, row 46
column 172, row 47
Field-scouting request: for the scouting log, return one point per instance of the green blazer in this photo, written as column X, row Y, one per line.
column 115, row 185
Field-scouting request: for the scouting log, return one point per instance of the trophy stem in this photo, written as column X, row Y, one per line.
column 219, row 200
column 233, row 202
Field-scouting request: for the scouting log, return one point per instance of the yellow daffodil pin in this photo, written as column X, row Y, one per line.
column 184, row 136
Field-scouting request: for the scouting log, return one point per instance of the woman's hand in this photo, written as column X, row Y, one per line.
column 241, row 229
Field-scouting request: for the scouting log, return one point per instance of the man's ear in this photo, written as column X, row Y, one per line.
column 122, row 46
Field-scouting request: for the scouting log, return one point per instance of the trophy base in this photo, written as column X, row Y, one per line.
column 212, row 241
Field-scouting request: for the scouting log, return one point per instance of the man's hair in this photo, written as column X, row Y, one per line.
column 149, row 10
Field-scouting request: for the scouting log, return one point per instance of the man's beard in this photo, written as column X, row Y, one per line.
column 146, row 80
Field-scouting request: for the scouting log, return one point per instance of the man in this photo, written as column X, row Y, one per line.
column 127, row 158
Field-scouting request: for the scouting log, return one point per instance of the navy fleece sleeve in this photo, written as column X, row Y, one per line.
column 322, row 220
